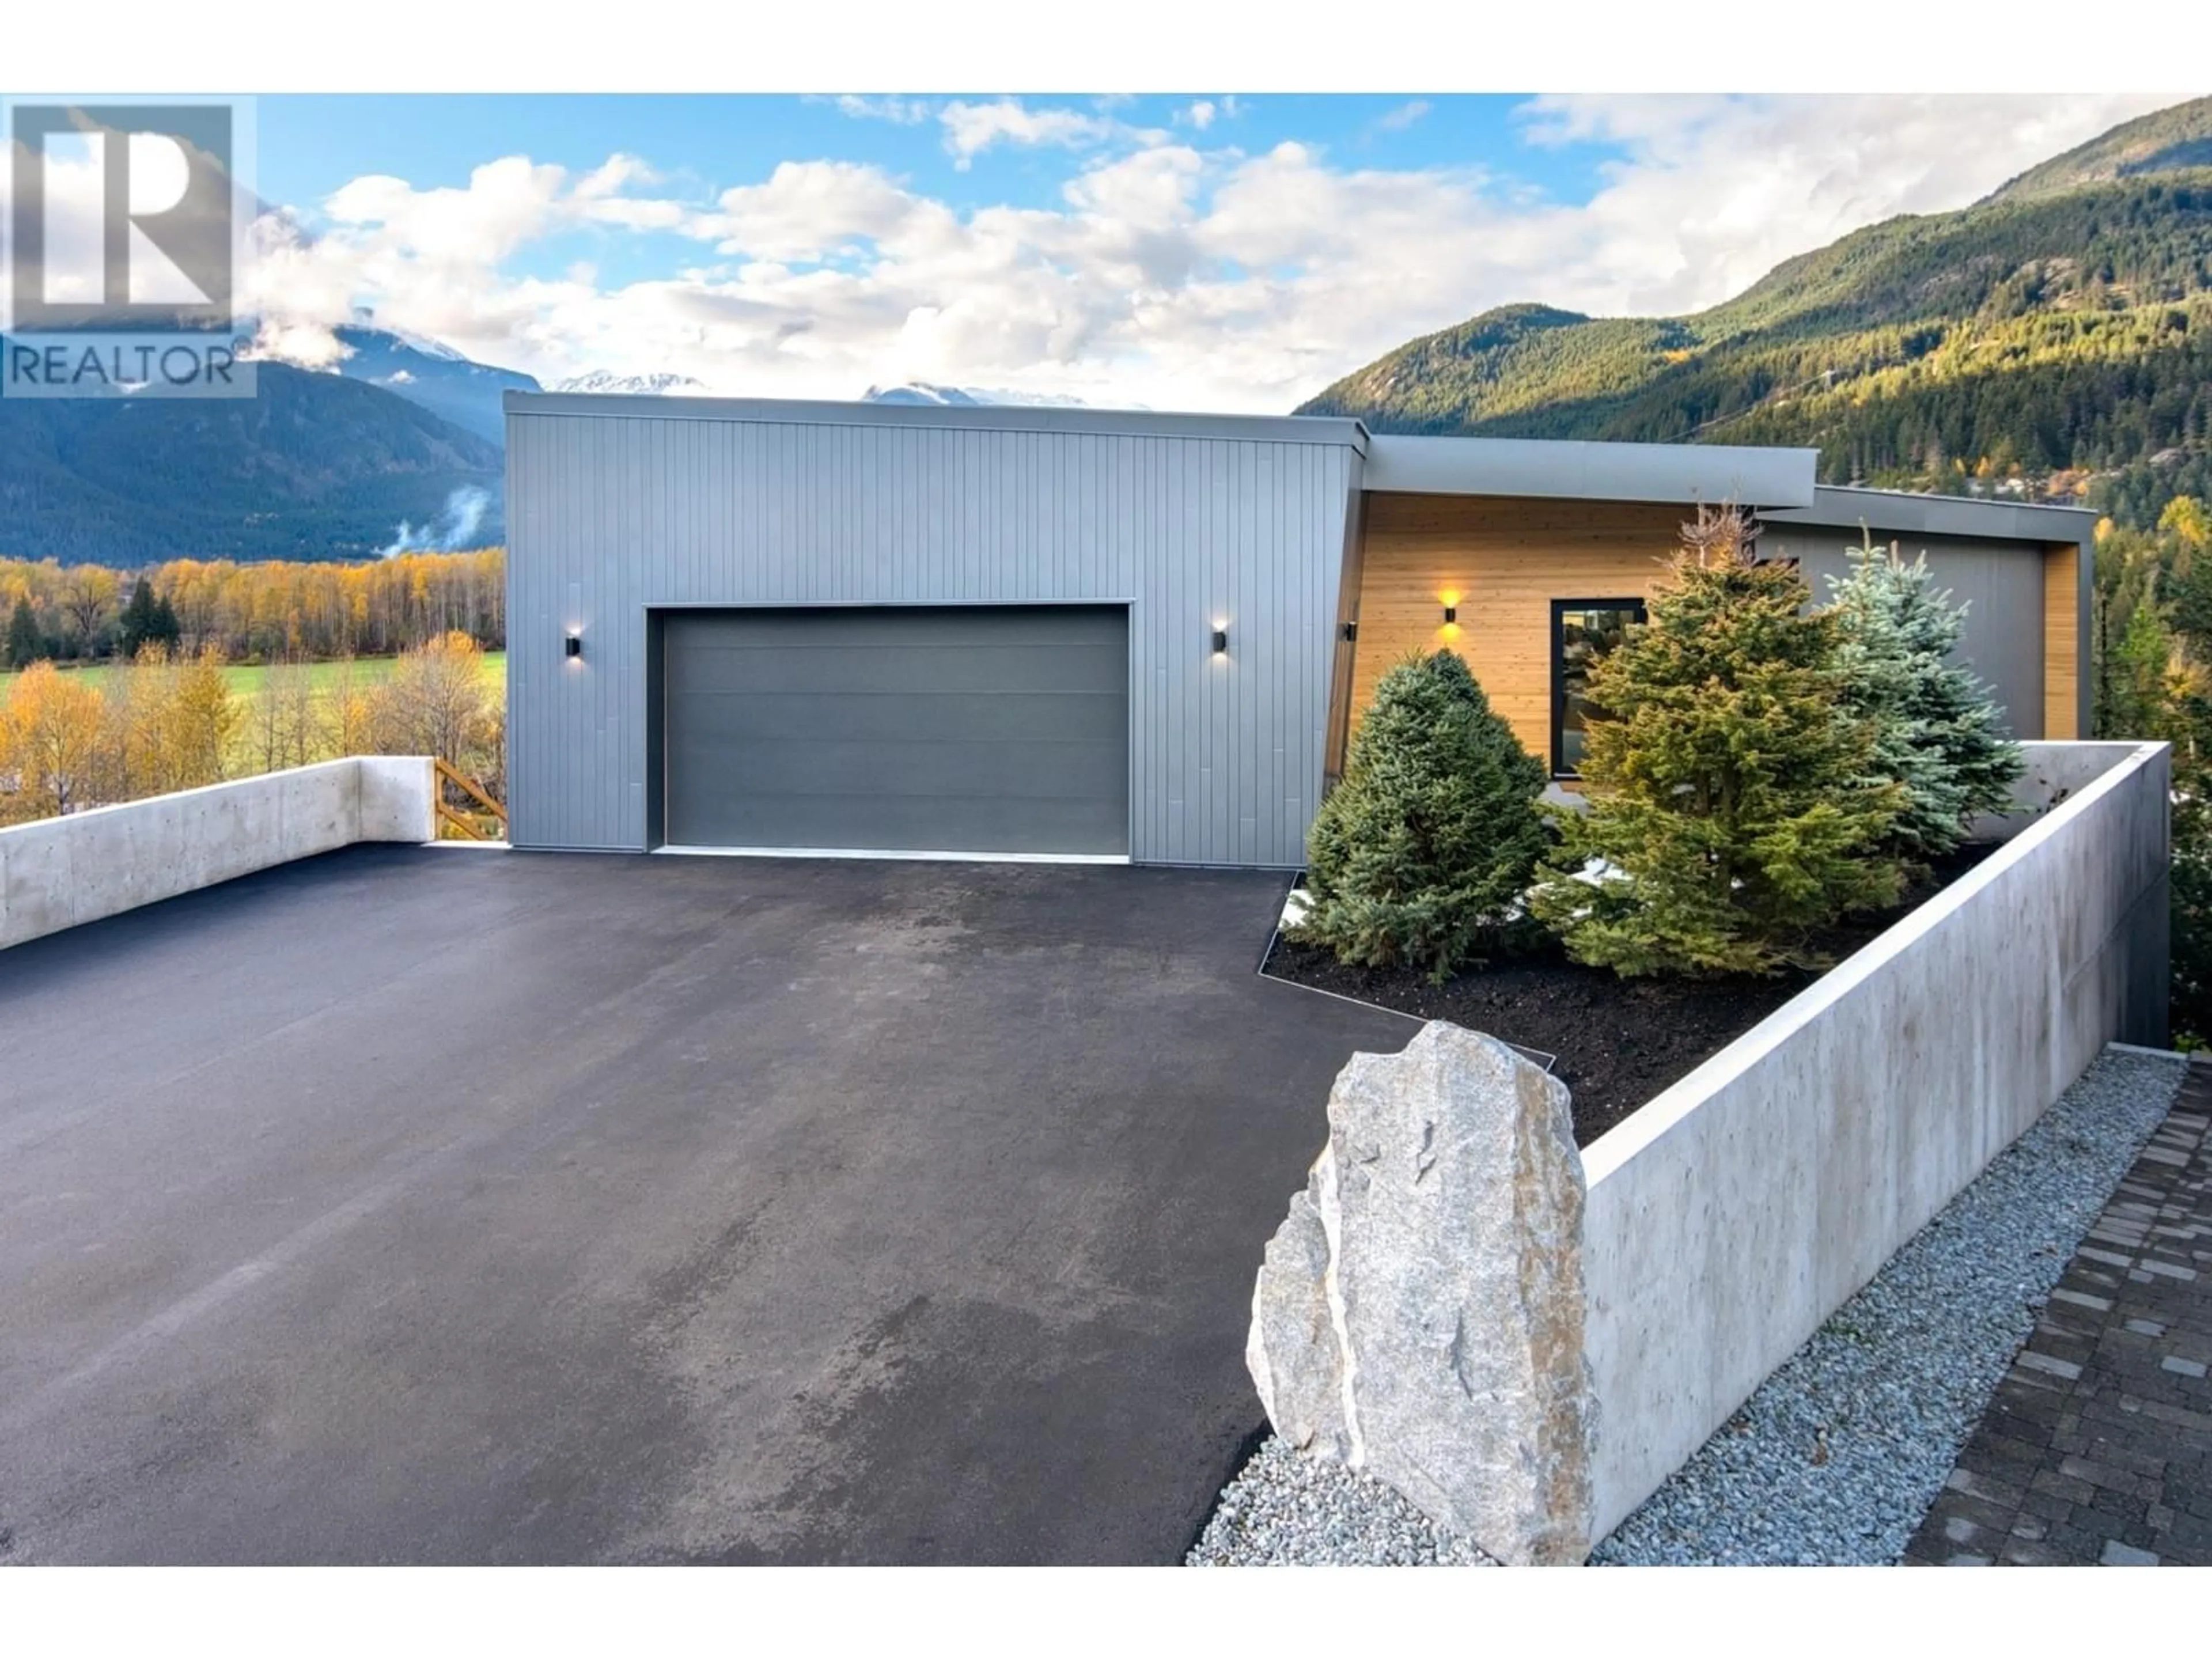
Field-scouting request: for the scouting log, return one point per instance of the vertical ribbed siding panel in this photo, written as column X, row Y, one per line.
column 1244, row 653
column 1258, row 595
column 520, row 624
column 1169, row 802
column 1212, row 817
column 610, row 516
column 1283, row 566
column 1247, row 651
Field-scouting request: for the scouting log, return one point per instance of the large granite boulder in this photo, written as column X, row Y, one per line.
column 1420, row 1312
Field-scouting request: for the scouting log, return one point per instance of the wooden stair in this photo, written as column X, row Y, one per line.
column 486, row 822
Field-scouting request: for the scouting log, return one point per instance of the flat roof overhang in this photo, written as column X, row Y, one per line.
column 1897, row 511
column 1581, row 470
column 1778, row 482
column 1338, row 430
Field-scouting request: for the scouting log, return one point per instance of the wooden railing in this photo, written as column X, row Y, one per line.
column 487, row 822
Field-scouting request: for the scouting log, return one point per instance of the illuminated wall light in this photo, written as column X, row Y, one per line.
column 1221, row 639
column 1451, row 615
column 572, row 644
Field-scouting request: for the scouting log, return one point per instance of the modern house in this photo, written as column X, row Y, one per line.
column 779, row 626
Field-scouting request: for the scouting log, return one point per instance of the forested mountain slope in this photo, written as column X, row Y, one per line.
column 314, row 466
column 2052, row 340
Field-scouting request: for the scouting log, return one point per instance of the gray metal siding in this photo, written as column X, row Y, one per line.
column 610, row 516
column 991, row 729
column 2001, row 583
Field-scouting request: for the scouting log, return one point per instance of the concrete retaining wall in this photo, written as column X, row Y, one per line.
column 59, row 872
column 1728, row 1218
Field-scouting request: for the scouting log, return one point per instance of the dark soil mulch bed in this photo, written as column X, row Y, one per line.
column 1619, row 1042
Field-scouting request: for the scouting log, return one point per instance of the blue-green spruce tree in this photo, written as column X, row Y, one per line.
column 1421, row 853
column 1937, row 732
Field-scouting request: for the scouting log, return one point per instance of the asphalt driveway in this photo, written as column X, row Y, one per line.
column 423, row 1205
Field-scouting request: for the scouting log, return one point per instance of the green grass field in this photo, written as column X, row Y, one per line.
column 246, row 677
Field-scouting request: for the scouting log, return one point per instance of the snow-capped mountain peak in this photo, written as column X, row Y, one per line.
column 921, row 392
column 363, row 318
column 601, row 382
column 966, row 396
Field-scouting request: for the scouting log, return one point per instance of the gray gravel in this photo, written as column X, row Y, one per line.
column 1837, row 1455
column 1285, row 1510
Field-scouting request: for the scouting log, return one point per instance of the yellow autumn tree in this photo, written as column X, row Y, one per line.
column 436, row 702
column 2190, row 528
column 51, row 741
column 135, row 694
column 285, row 726
column 346, row 711
column 196, row 722
column 87, row 596
column 268, row 610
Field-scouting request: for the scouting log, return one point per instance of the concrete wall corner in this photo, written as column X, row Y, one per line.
column 397, row 796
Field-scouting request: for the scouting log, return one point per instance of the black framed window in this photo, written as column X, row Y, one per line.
column 1583, row 630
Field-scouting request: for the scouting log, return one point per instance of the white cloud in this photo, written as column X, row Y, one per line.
column 1715, row 191
column 971, row 129
column 1199, row 114
column 431, row 260
column 305, row 345
column 806, row 209
column 608, row 177
column 504, row 203
column 1404, row 116
column 902, row 112
column 1165, row 273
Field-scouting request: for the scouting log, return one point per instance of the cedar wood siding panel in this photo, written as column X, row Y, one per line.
column 2061, row 641
column 1506, row 558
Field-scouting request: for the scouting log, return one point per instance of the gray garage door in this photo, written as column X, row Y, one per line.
column 999, row 729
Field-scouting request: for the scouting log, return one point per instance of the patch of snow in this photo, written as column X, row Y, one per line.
column 604, row 383
column 971, row 397
column 363, row 318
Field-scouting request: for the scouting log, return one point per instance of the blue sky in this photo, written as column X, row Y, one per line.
column 1207, row 250
column 310, row 146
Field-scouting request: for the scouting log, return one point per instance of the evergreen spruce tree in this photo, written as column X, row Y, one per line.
column 26, row 645
column 2190, row 998
column 2192, row 603
column 2133, row 690
column 164, row 630
column 134, row 626
column 1936, row 730
column 1731, row 809
column 1421, row 853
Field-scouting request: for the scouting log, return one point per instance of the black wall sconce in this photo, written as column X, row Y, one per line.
column 1351, row 631
column 572, row 645
column 1451, row 615
column 1220, row 641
